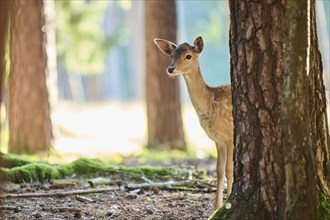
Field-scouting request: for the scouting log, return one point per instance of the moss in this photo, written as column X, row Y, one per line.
column 163, row 156
column 234, row 210
column 30, row 172
column 9, row 161
column 323, row 206
column 154, row 172
column 221, row 213
column 87, row 168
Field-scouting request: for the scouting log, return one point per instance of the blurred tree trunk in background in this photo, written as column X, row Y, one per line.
column 4, row 15
column 4, row 19
column 297, row 143
column 30, row 127
column 165, row 130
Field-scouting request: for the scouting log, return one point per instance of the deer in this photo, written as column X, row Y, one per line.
column 213, row 106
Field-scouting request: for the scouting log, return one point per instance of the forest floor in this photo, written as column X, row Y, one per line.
column 191, row 202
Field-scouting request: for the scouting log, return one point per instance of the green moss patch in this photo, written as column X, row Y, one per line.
column 9, row 161
column 323, row 207
column 30, row 172
column 35, row 171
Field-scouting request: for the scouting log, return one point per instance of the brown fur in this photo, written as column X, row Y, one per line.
column 213, row 106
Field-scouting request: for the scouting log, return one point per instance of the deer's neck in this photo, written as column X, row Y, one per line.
column 199, row 93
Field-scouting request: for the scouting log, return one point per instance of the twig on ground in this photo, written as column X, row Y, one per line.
column 120, row 205
column 146, row 179
column 119, row 196
column 15, row 208
column 59, row 194
column 83, row 199
column 161, row 185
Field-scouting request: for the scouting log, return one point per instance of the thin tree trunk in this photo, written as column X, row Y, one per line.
column 165, row 128
column 29, row 113
column 299, row 158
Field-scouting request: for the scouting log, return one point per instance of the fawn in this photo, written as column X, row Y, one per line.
column 213, row 105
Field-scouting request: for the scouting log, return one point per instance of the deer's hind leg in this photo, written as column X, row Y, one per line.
column 221, row 167
column 230, row 167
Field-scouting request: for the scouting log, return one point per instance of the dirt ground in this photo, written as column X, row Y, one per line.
column 152, row 203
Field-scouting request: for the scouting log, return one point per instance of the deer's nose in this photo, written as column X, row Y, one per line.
column 170, row 69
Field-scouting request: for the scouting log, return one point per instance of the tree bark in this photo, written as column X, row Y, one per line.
column 257, row 36
column 165, row 129
column 30, row 127
column 256, row 47
column 299, row 158
column 318, row 110
column 318, row 117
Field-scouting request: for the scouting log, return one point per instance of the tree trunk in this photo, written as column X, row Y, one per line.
column 4, row 19
column 29, row 113
column 165, row 130
column 4, row 15
column 299, row 158
column 318, row 117
column 256, row 48
column 317, row 106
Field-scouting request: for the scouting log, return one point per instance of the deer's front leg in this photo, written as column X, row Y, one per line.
column 221, row 165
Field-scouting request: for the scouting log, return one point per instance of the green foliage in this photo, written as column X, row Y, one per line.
column 323, row 207
column 207, row 20
column 81, row 43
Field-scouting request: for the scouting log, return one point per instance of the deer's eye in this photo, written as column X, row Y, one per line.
column 188, row 57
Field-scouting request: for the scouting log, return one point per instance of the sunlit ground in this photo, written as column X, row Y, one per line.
column 107, row 129
column 112, row 129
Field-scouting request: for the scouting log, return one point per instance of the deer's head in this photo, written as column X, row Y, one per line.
column 184, row 57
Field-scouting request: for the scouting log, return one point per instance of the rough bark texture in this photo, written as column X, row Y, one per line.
column 299, row 158
column 29, row 114
column 165, row 128
column 256, row 48
column 317, row 107
column 318, row 117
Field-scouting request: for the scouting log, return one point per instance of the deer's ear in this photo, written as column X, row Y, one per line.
column 198, row 45
column 165, row 46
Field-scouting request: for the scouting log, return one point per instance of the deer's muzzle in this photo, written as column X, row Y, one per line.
column 170, row 69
